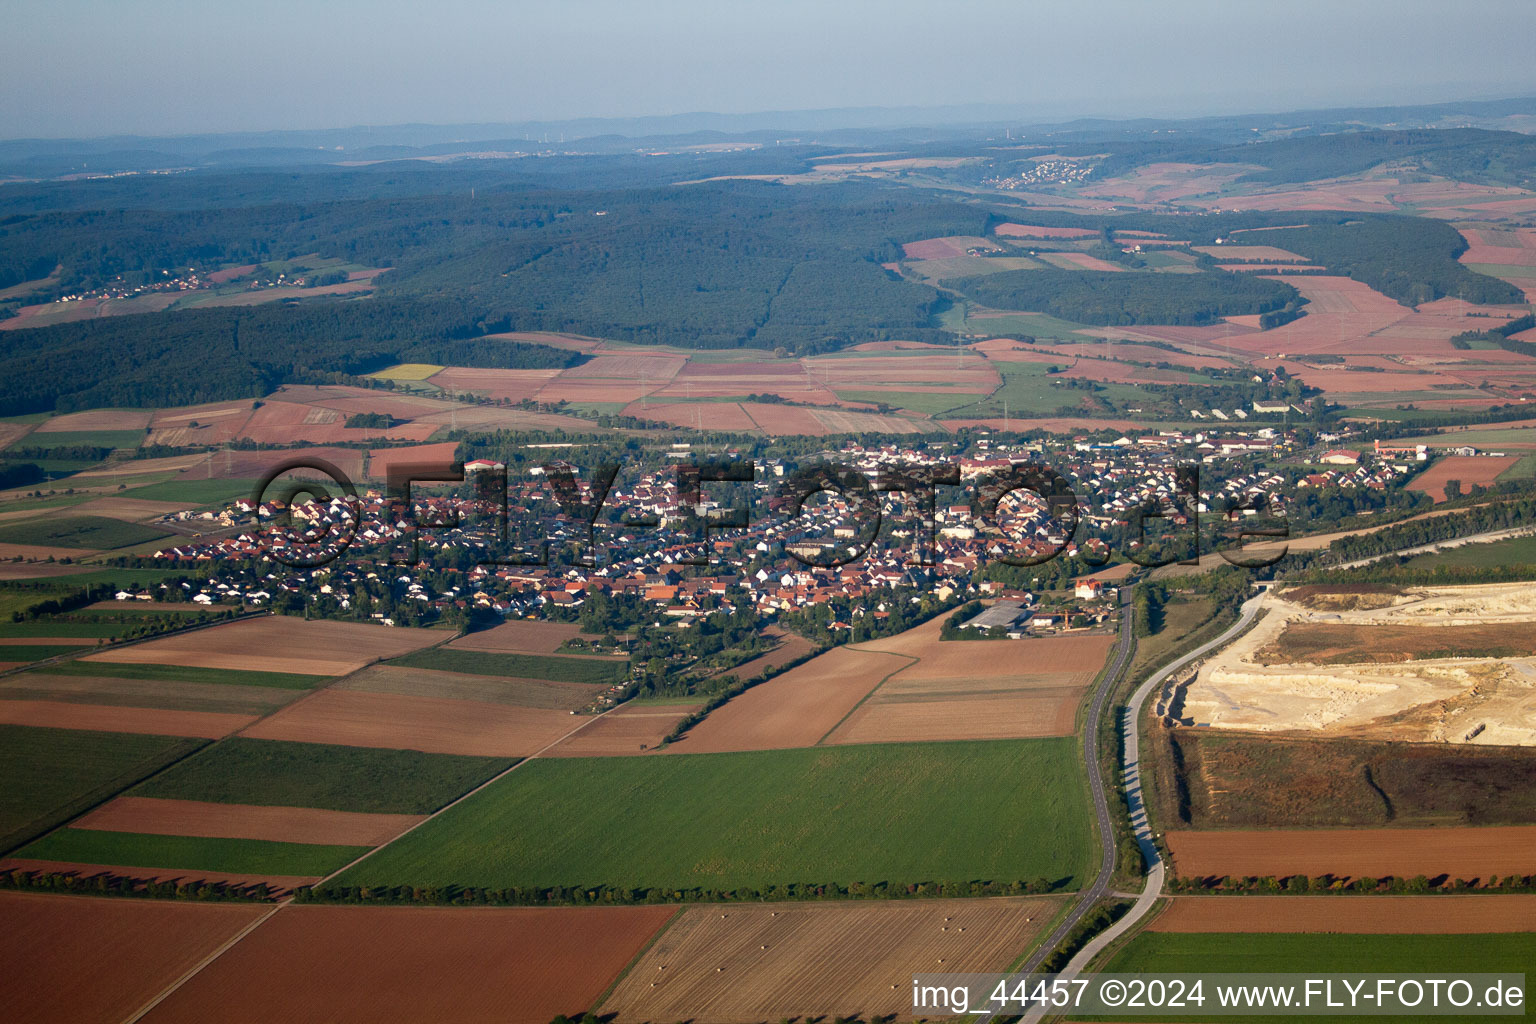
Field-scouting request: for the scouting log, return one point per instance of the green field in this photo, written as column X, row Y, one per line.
column 190, row 853
column 79, row 532
column 87, row 630
column 47, row 776
column 1502, row 269
column 1515, row 551
column 1435, row 955
column 604, row 671
column 276, row 773
column 1001, row 810
column 929, row 403
column 73, row 438
column 1525, row 469
column 185, row 674
column 1486, row 437
column 194, row 492
column 38, row 652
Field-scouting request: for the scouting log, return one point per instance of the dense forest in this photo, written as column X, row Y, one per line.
column 1123, row 298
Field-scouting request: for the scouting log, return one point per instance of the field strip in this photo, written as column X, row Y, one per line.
column 487, row 783
column 76, row 655
column 268, row 916
column 872, row 690
column 197, row 968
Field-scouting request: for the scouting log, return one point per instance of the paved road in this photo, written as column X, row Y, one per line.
column 1107, row 682
column 1131, row 779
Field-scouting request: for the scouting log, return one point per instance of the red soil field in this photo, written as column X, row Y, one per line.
column 775, row 368
column 795, row 709
column 1373, row 852
column 380, row 459
column 104, row 718
column 1032, row 231
column 728, row 416
column 524, row 636
column 278, row 643
column 1474, row 469
column 631, row 729
column 494, row 417
column 565, row 390
column 217, row 423
column 277, row 884
column 230, row 273
column 279, row 422
column 411, row 965
column 245, row 465
column 1270, row 268
column 246, row 821
column 635, row 366
column 1350, row 915
column 98, row 419
column 350, row 400
column 512, row 385
column 436, row 725
column 130, row 950
column 784, row 419
column 943, row 248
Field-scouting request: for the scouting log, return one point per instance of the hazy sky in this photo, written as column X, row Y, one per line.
column 95, row 67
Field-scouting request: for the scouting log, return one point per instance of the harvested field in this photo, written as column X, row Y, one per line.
column 1469, row 470
column 344, row 965
column 817, row 961
column 103, row 718
column 784, row 419
column 836, row 421
column 277, row 884
column 246, row 821
column 795, row 709
column 1399, row 852
column 97, row 419
column 41, row 552
column 129, row 510
column 945, row 248
column 1354, row 915
column 130, row 949
column 278, row 643
column 631, row 729
column 230, row 464
column 423, row 682
column 1269, row 268
column 512, row 385
column 1006, row 689
column 493, row 418
column 629, row 366
column 435, row 725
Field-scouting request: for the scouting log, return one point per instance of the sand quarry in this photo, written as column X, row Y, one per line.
column 1426, row 664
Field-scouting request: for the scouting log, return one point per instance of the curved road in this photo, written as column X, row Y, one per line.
column 1131, row 779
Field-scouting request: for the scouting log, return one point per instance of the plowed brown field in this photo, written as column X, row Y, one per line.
column 246, row 821
column 278, row 643
column 976, row 689
column 1474, row 469
column 740, row 964
column 422, row 682
column 103, row 718
column 411, row 965
column 1358, row 915
column 795, row 709
column 1373, row 852
column 632, row 729
column 520, row 636
column 435, row 725
column 130, row 950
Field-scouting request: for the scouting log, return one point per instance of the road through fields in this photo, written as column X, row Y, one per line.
column 1131, row 779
